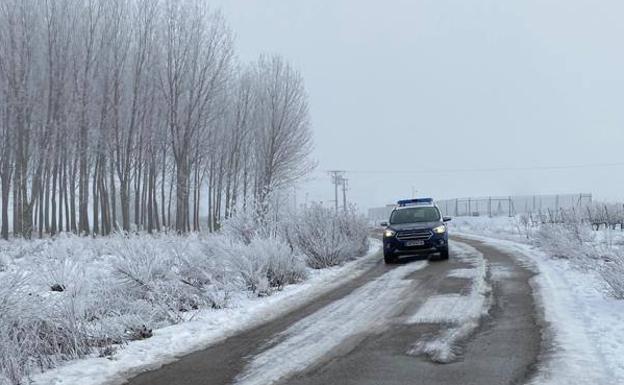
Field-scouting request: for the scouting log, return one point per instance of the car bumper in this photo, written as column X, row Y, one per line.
column 435, row 244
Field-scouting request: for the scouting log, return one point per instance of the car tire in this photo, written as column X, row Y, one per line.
column 389, row 258
column 444, row 254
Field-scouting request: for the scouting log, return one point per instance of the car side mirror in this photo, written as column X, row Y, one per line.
column 384, row 224
column 447, row 219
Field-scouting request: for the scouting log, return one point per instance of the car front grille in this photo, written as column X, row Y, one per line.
column 418, row 235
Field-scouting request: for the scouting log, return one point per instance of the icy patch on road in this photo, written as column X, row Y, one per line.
column 314, row 337
column 460, row 313
column 500, row 272
column 445, row 348
column 448, row 309
column 464, row 273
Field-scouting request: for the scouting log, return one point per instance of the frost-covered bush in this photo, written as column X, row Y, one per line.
column 613, row 273
column 576, row 241
column 281, row 265
column 242, row 227
column 69, row 297
column 14, row 336
column 61, row 306
column 252, row 269
column 267, row 264
column 565, row 241
column 591, row 238
column 209, row 270
column 147, row 271
column 328, row 238
column 76, row 296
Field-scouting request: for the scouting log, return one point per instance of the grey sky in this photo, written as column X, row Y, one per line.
column 428, row 85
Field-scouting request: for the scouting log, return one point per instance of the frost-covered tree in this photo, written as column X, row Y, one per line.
column 133, row 114
column 282, row 140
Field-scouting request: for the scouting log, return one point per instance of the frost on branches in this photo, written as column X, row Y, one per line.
column 328, row 238
column 591, row 238
column 71, row 297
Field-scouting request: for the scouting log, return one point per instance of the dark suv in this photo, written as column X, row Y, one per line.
column 416, row 227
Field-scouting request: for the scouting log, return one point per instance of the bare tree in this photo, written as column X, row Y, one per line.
column 283, row 139
column 197, row 53
column 134, row 110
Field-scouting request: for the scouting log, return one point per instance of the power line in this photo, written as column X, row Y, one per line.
column 491, row 169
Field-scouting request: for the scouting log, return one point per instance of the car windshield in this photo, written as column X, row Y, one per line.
column 415, row 215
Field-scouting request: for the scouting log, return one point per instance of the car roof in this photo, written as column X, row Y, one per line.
column 414, row 206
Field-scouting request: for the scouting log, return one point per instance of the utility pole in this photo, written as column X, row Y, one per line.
column 337, row 177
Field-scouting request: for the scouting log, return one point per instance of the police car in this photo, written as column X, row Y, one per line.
column 416, row 227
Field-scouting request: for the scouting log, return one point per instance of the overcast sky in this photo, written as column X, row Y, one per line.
column 494, row 92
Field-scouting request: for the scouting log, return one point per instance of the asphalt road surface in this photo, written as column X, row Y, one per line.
column 469, row 320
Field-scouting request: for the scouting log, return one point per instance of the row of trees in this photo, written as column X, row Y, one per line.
column 123, row 113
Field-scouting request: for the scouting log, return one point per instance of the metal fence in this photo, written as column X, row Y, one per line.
column 496, row 206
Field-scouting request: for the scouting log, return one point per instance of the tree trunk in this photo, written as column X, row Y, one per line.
column 182, row 193
column 6, row 190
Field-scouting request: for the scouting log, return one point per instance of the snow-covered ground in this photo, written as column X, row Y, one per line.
column 207, row 328
column 585, row 322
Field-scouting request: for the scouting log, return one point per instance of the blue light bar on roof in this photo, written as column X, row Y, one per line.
column 415, row 202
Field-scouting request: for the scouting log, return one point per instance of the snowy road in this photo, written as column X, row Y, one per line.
column 470, row 320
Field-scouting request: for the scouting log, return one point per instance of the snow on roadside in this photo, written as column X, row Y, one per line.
column 585, row 327
column 311, row 339
column 461, row 312
column 208, row 328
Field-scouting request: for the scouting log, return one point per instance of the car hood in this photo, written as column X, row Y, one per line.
column 415, row 226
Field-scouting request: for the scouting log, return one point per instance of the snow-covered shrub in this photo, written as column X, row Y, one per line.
column 209, row 271
column 577, row 228
column 147, row 276
column 525, row 226
column 251, row 268
column 613, row 273
column 241, row 227
column 175, row 275
column 356, row 230
column 266, row 264
column 21, row 248
column 74, row 299
column 563, row 241
column 328, row 238
column 15, row 338
column 282, row 266
column 5, row 259
column 40, row 327
column 76, row 296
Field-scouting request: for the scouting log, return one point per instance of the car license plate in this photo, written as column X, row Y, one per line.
column 414, row 243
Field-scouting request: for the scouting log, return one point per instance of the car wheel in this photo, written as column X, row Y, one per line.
column 444, row 253
column 389, row 258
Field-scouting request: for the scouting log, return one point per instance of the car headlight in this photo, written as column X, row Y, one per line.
column 439, row 229
column 389, row 233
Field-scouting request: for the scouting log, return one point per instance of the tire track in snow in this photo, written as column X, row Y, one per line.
column 312, row 339
column 462, row 313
